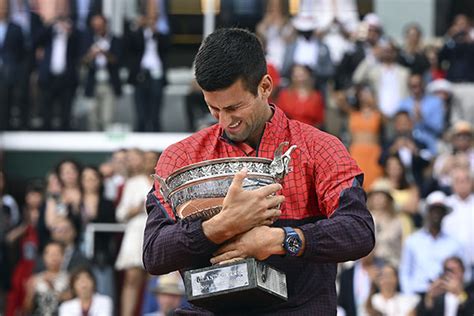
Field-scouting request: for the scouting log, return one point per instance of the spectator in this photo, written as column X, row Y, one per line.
column 413, row 152
column 25, row 238
column 461, row 153
column 405, row 193
column 423, row 252
column 131, row 210
column 8, row 203
column 355, row 285
column 47, row 289
column 386, row 299
column 387, row 78
column 85, row 301
column 169, row 292
column 458, row 50
column 337, row 20
column 412, row 55
column 388, row 224
column 67, row 203
column 447, row 294
column 115, row 179
column 365, row 126
column 95, row 208
column 275, row 31
column 435, row 72
column 12, row 52
column 307, row 49
column 65, row 232
column 458, row 224
column 427, row 112
column 102, row 85
column 60, row 43
column 81, row 12
column 453, row 108
column 196, row 107
column 300, row 101
column 148, row 72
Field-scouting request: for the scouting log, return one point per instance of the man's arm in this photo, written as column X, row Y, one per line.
column 169, row 245
column 347, row 235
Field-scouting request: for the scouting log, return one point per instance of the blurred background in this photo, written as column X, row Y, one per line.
column 91, row 91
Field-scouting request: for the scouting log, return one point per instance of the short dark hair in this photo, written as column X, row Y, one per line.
column 227, row 55
column 75, row 275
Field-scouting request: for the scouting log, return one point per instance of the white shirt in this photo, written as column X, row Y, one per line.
column 422, row 259
column 398, row 305
column 151, row 60
column 306, row 52
column 59, row 51
column 389, row 93
column 460, row 224
column 101, row 306
column 451, row 304
column 361, row 288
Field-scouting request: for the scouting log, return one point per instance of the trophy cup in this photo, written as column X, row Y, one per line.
column 197, row 191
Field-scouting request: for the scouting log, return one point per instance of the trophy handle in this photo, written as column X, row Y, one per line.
column 165, row 190
column 280, row 165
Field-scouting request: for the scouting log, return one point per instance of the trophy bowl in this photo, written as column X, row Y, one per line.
column 198, row 190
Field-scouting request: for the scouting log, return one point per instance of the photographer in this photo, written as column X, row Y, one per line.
column 447, row 294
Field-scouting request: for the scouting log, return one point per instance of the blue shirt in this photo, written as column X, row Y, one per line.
column 3, row 32
column 431, row 126
column 422, row 259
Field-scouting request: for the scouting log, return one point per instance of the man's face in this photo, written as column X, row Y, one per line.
column 241, row 114
column 169, row 302
column 64, row 232
column 462, row 182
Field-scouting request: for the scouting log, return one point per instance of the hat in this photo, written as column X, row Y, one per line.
column 462, row 127
column 372, row 19
column 170, row 283
column 382, row 186
column 437, row 198
column 304, row 22
column 439, row 85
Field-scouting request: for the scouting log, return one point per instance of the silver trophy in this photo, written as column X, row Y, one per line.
column 197, row 191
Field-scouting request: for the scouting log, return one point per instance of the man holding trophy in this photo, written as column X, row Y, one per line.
column 264, row 236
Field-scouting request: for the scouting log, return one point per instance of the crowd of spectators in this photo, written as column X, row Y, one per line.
column 407, row 116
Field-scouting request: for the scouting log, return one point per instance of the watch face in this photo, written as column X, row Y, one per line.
column 293, row 244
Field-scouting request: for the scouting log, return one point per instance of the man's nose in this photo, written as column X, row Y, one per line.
column 224, row 119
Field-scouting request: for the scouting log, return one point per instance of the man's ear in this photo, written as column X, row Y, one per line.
column 265, row 87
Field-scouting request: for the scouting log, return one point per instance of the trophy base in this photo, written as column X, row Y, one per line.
column 244, row 284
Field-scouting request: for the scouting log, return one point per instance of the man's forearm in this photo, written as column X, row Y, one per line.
column 170, row 245
column 347, row 235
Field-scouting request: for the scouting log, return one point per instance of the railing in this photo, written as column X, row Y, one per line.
column 92, row 228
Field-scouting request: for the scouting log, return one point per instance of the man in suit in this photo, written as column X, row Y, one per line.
column 11, row 56
column 148, row 72
column 102, row 84
column 447, row 295
column 58, row 68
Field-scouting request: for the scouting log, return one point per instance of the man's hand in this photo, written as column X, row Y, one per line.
column 243, row 210
column 259, row 243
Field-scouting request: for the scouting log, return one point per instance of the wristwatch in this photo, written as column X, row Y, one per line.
column 292, row 242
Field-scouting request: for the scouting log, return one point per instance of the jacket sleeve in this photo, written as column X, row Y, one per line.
column 171, row 245
column 347, row 235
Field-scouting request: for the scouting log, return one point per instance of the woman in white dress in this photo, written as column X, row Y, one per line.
column 131, row 210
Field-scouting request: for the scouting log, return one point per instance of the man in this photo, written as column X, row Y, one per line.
column 424, row 251
column 323, row 206
column 11, row 56
column 458, row 224
column 102, row 86
column 169, row 292
column 447, row 295
column 427, row 112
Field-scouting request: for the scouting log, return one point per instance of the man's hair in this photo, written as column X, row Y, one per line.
column 227, row 55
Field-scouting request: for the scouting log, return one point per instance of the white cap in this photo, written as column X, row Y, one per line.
column 439, row 85
column 372, row 19
column 437, row 198
column 304, row 21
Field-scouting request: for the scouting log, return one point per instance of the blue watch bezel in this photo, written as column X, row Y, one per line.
column 291, row 235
